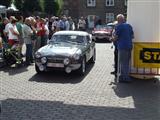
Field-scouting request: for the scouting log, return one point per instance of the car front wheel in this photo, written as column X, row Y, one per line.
column 37, row 69
column 93, row 58
column 82, row 69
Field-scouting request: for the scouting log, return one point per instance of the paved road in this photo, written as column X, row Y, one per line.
column 58, row 96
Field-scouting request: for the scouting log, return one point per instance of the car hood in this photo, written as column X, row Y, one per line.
column 60, row 50
column 101, row 31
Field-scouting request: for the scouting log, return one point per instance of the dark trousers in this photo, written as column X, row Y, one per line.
column 115, row 59
column 124, row 57
column 29, row 57
column 43, row 41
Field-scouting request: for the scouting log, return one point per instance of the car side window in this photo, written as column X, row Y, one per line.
column 80, row 39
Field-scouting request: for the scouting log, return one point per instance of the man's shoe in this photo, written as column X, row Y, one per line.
column 124, row 81
column 27, row 63
column 21, row 55
column 113, row 73
column 32, row 61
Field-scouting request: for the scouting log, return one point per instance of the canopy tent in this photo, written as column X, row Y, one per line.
column 2, row 9
column 12, row 8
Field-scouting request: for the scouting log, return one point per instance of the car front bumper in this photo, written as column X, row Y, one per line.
column 100, row 36
column 67, row 68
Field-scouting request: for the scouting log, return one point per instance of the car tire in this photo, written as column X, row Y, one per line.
column 37, row 69
column 93, row 58
column 82, row 69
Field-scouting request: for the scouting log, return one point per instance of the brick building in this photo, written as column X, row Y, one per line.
column 106, row 10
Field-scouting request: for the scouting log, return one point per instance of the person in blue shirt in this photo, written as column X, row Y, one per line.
column 124, row 35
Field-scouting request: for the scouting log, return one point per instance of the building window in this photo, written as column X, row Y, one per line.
column 91, row 20
column 91, row 3
column 109, row 17
column 109, row 2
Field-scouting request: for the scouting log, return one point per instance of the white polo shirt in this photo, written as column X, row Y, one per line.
column 10, row 34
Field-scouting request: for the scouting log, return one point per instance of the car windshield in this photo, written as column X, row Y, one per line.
column 103, row 27
column 99, row 27
column 109, row 27
column 75, row 39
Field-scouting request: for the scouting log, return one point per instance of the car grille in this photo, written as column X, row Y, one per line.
column 55, row 59
column 101, row 34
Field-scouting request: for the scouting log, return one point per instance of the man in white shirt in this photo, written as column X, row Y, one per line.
column 27, row 33
column 82, row 24
column 12, row 31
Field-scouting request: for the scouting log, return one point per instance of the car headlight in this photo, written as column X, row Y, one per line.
column 66, row 61
column 77, row 55
column 37, row 55
column 43, row 60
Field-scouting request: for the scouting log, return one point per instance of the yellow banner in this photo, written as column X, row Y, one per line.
column 146, row 55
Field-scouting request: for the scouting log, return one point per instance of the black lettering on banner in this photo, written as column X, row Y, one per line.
column 150, row 55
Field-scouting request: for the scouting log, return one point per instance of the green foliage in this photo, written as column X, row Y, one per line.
column 32, row 5
column 42, row 5
column 57, row 8
column 6, row 3
column 51, row 7
column 60, row 4
column 28, row 6
column 19, row 4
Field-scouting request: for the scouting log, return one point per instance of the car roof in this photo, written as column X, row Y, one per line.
column 81, row 33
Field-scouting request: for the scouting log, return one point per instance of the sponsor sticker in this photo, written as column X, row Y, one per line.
column 146, row 55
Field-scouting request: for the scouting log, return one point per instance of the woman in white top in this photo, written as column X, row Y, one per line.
column 12, row 32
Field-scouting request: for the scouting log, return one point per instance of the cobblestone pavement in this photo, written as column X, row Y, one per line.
column 58, row 96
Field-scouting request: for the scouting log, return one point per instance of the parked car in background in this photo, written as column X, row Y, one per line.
column 112, row 25
column 102, row 32
column 67, row 50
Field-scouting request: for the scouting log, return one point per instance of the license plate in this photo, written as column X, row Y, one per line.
column 55, row 65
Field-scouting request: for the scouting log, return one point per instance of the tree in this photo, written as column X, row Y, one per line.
column 6, row 3
column 51, row 7
column 60, row 4
column 32, row 5
column 28, row 6
column 57, row 8
column 19, row 4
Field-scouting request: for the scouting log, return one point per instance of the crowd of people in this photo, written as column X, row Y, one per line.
column 34, row 31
